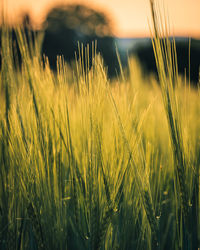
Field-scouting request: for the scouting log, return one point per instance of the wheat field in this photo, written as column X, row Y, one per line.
column 92, row 163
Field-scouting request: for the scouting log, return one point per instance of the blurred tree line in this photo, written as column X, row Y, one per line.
column 67, row 25
column 187, row 53
column 70, row 26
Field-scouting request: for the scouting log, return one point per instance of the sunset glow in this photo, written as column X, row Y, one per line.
column 129, row 17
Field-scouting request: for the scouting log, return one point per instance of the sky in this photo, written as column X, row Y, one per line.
column 130, row 18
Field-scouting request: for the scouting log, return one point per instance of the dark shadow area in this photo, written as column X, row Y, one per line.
column 188, row 53
column 67, row 26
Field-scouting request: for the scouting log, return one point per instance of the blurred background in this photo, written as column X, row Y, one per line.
column 125, row 25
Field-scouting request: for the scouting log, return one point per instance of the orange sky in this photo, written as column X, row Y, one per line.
column 130, row 17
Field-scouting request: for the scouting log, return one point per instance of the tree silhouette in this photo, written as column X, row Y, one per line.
column 66, row 25
column 146, row 56
column 80, row 18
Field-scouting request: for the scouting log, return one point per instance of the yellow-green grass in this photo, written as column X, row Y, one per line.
column 90, row 163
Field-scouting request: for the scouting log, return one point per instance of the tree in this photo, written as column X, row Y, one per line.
column 145, row 54
column 80, row 18
column 66, row 25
